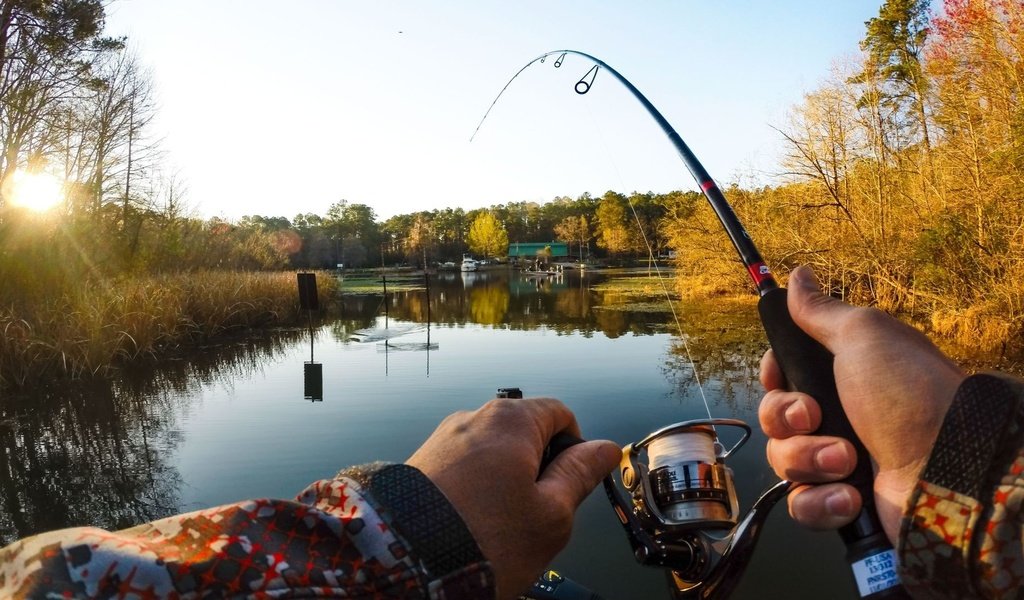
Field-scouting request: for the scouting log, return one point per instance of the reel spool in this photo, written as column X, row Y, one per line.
column 685, row 483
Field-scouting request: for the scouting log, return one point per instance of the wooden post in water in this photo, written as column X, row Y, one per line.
column 309, row 300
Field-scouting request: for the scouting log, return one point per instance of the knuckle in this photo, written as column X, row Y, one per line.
column 496, row 405
column 502, row 410
column 457, row 420
column 790, row 460
column 771, row 413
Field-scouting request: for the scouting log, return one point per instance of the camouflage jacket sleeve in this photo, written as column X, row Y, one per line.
column 379, row 531
column 961, row 535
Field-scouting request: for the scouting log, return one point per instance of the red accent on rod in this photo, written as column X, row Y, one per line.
column 759, row 272
column 707, row 185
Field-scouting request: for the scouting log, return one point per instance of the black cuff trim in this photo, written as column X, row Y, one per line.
column 422, row 515
column 971, row 435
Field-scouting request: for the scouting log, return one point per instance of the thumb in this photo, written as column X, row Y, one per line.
column 578, row 470
column 818, row 314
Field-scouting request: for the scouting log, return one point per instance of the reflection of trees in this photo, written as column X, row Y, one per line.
column 358, row 311
column 611, row 322
column 726, row 342
column 100, row 453
column 82, row 458
column 725, row 336
column 488, row 304
column 565, row 304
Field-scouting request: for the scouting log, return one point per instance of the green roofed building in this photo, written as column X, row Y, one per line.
column 532, row 250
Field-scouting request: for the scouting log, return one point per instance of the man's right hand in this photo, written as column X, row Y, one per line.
column 895, row 387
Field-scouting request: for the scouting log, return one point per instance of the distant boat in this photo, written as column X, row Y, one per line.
column 469, row 263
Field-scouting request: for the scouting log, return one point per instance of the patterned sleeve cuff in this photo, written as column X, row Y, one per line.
column 948, row 526
column 421, row 515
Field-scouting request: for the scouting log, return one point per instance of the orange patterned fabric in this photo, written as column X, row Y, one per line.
column 334, row 540
column 962, row 534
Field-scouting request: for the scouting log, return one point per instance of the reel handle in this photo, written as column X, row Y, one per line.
column 807, row 366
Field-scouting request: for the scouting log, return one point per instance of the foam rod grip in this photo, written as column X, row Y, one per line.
column 560, row 442
column 807, row 366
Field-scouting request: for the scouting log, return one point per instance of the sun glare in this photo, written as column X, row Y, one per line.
column 35, row 191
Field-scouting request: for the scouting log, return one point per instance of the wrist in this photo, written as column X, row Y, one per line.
column 943, row 524
column 433, row 531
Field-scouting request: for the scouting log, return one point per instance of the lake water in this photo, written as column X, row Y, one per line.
column 232, row 422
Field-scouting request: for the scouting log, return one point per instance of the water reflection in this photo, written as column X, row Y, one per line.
column 102, row 453
column 159, row 441
column 565, row 303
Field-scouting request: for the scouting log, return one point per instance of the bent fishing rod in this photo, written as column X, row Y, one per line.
column 682, row 512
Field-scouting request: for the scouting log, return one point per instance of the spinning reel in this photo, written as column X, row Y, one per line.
column 682, row 512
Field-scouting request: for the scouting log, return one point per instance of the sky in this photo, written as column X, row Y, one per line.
column 277, row 109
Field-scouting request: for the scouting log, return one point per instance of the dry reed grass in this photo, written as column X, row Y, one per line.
column 984, row 327
column 93, row 328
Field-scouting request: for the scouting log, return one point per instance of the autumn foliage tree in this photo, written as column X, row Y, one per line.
column 487, row 236
column 614, row 231
column 574, row 230
column 906, row 173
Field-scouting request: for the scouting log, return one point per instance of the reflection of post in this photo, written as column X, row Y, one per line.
column 312, row 372
column 384, row 280
column 313, row 381
column 426, row 283
column 426, row 280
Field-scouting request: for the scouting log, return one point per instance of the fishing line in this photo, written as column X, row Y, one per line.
column 697, row 445
column 595, row 126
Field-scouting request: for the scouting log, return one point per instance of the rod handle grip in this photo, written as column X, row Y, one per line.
column 807, row 366
column 558, row 443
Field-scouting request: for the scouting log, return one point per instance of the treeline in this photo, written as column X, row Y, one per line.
column 350, row 234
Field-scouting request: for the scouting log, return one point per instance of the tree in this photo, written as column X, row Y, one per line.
column 355, row 231
column 47, row 48
column 612, row 224
column 487, row 236
column 450, row 227
column 419, row 241
column 574, row 230
column 894, row 44
column 648, row 209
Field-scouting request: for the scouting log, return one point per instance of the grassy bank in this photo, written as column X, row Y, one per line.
column 93, row 328
column 978, row 338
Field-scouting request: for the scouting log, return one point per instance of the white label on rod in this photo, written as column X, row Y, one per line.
column 876, row 573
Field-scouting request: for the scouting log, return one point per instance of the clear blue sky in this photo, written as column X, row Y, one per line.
column 277, row 108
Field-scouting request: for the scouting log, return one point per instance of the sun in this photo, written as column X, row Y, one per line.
column 35, row 191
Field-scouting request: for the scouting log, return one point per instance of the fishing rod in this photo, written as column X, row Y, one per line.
column 682, row 512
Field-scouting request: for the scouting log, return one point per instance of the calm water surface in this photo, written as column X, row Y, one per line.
column 232, row 422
